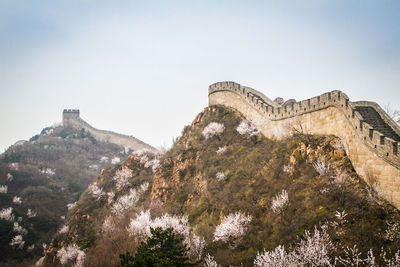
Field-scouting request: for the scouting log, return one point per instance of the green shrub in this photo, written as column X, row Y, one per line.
column 34, row 138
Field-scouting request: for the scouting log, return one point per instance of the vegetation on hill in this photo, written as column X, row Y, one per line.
column 235, row 197
column 38, row 178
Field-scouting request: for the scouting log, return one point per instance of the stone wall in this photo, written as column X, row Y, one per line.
column 372, row 154
column 71, row 118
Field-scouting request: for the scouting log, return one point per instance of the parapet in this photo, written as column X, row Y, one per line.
column 71, row 111
column 384, row 141
column 71, row 114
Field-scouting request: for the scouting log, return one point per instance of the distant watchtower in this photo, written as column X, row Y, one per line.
column 70, row 114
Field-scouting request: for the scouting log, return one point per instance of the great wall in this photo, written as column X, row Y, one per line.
column 370, row 136
column 71, row 118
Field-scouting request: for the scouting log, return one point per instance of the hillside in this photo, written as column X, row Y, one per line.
column 38, row 178
column 235, row 195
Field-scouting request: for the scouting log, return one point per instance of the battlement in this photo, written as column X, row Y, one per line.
column 363, row 126
column 386, row 146
column 71, row 113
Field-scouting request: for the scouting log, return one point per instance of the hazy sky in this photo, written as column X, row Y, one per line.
column 143, row 68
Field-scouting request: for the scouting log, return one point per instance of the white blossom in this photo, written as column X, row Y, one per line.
column 14, row 166
column 314, row 249
column 321, row 167
column 212, row 129
column 143, row 187
column 154, row 164
column 31, row 214
column 370, row 260
column 122, row 177
column 3, row 189
column 352, row 257
column 72, row 252
column 142, row 155
column 115, row 160
column 287, row 168
column 341, row 215
column 64, row 229
column 17, row 200
column 232, row 228
column 340, row 221
column 277, row 257
column 248, row 128
column 140, row 226
column 95, row 191
column 280, row 202
column 127, row 201
column 6, row 214
column 196, row 245
column 19, row 229
column 48, row 131
column 17, row 242
column 94, row 167
column 220, row 176
column 142, row 223
column 48, row 171
column 110, row 197
column 70, row 206
column 108, row 225
column 179, row 224
column 62, row 217
column 392, row 262
column 221, row 150
column 324, row 190
column 9, row 177
column 392, row 232
column 209, row 261
column 104, row 159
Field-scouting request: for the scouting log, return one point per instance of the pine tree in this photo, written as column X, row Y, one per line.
column 163, row 248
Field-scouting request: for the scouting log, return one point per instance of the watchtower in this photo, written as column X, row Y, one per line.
column 70, row 114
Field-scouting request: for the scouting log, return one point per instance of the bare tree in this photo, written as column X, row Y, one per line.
column 393, row 113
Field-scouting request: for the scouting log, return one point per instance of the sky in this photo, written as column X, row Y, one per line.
column 143, row 68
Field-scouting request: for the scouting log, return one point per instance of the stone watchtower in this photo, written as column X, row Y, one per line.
column 70, row 117
column 70, row 114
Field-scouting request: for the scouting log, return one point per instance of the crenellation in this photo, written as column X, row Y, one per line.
column 328, row 113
